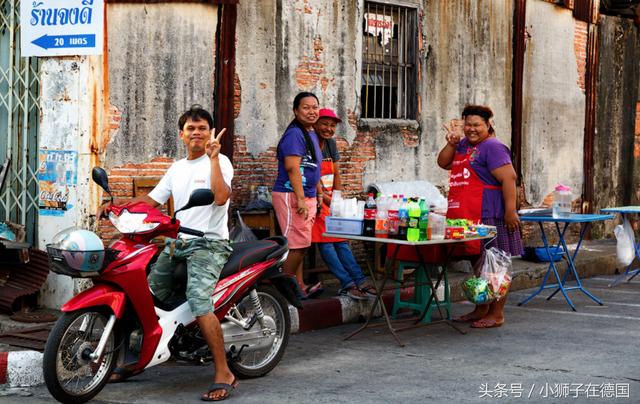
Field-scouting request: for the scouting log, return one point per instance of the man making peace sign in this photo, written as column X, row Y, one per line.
column 204, row 167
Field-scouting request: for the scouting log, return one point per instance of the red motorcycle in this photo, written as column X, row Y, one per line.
column 119, row 320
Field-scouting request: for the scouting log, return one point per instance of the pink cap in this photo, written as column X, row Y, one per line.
column 328, row 113
column 560, row 187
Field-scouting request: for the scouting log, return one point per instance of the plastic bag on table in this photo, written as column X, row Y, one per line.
column 625, row 247
column 240, row 232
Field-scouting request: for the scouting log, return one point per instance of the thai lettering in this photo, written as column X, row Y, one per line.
column 61, row 16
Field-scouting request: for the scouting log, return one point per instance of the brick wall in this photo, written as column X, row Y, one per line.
column 580, row 48
column 121, row 183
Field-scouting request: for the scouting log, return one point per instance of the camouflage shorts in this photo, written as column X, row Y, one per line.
column 205, row 259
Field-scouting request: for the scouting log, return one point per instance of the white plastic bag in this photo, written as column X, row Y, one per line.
column 496, row 269
column 626, row 242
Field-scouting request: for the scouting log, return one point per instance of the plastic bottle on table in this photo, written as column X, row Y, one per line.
column 370, row 210
column 394, row 220
column 423, row 224
column 413, row 229
column 561, row 202
column 382, row 217
column 403, row 219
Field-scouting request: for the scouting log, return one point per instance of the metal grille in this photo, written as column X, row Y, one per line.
column 19, row 117
column 388, row 62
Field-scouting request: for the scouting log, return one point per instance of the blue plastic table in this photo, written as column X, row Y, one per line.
column 584, row 220
column 626, row 210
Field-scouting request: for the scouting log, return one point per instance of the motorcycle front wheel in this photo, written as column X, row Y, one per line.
column 260, row 362
column 70, row 374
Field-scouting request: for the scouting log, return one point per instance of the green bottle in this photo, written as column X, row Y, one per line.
column 413, row 229
column 423, row 224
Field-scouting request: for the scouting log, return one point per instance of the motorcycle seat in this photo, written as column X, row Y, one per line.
column 251, row 252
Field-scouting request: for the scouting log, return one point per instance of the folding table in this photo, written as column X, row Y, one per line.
column 585, row 220
column 625, row 210
column 417, row 321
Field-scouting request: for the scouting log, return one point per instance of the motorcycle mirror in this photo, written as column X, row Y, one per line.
column 199, row 197
column 101, row 178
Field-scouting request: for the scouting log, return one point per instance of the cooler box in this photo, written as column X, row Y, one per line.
column 343, row 225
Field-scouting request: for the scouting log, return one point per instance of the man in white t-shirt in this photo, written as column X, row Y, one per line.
column 204, row 167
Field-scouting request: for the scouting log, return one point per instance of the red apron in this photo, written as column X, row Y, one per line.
column 465, row 196
column 319, row 226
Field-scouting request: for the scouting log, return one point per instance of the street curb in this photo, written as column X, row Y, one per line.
column 21, row 369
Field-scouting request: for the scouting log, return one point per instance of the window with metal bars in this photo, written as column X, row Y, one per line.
column 389, row 35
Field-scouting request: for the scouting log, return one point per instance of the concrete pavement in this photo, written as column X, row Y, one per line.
column 595, row 258
column 544, row 353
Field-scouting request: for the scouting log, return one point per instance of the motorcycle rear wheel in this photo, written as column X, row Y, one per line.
column 69, row 373
column 259, row 363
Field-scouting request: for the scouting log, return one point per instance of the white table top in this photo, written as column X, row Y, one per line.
column 404, row 242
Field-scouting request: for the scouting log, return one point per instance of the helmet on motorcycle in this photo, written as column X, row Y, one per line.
column 77, row 250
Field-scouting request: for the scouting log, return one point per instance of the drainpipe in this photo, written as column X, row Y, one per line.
column 223, row 93
column 519, row 45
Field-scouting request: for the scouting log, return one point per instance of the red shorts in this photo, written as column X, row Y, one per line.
column 294, row 226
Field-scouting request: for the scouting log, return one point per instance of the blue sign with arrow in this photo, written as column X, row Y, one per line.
column 61, row 27
column 65, row 41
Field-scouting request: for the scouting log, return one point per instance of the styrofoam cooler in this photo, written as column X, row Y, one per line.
column 343, row 225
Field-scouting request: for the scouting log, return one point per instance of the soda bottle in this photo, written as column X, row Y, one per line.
column 370, row 217
column 413, row 229
column 382, row 220
column 403, row 219
column 423, row 224
column 394, row 220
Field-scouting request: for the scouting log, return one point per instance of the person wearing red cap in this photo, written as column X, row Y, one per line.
column 335, row 252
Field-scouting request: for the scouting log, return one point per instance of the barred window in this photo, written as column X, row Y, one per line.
column 389, row 62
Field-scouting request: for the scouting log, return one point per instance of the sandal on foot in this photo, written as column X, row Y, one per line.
column 486, row 323
column 314, row 290
column 121, row 374
column 354, row 293
column 227, row 387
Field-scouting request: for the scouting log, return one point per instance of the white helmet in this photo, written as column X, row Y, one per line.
column 76, row 250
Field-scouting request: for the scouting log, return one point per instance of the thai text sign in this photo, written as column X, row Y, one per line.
column 61, row 27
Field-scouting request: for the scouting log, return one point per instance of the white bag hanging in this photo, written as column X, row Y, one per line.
column 626, row 243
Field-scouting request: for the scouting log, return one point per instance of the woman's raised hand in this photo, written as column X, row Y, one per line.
column 454, row 132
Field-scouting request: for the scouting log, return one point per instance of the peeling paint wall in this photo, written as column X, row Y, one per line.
column 464, row 57
column 467, row 60
column 553, row 104
column 284, row 47
column 70, row 108
column 161, row 64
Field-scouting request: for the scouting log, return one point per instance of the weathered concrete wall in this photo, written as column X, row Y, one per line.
column 284, row 47
column 464, row 56
column 162, row 63
column 617, row 95
column 467, row 55
column 553, row 105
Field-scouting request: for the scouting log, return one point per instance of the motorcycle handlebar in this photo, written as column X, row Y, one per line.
column 192, row 232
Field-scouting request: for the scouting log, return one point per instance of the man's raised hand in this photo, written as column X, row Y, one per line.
column 213, row 145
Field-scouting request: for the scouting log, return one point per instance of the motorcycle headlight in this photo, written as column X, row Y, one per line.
column 131, row 223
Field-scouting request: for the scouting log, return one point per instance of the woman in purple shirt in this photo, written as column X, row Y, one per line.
column 295, row 191
column 482, row 186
